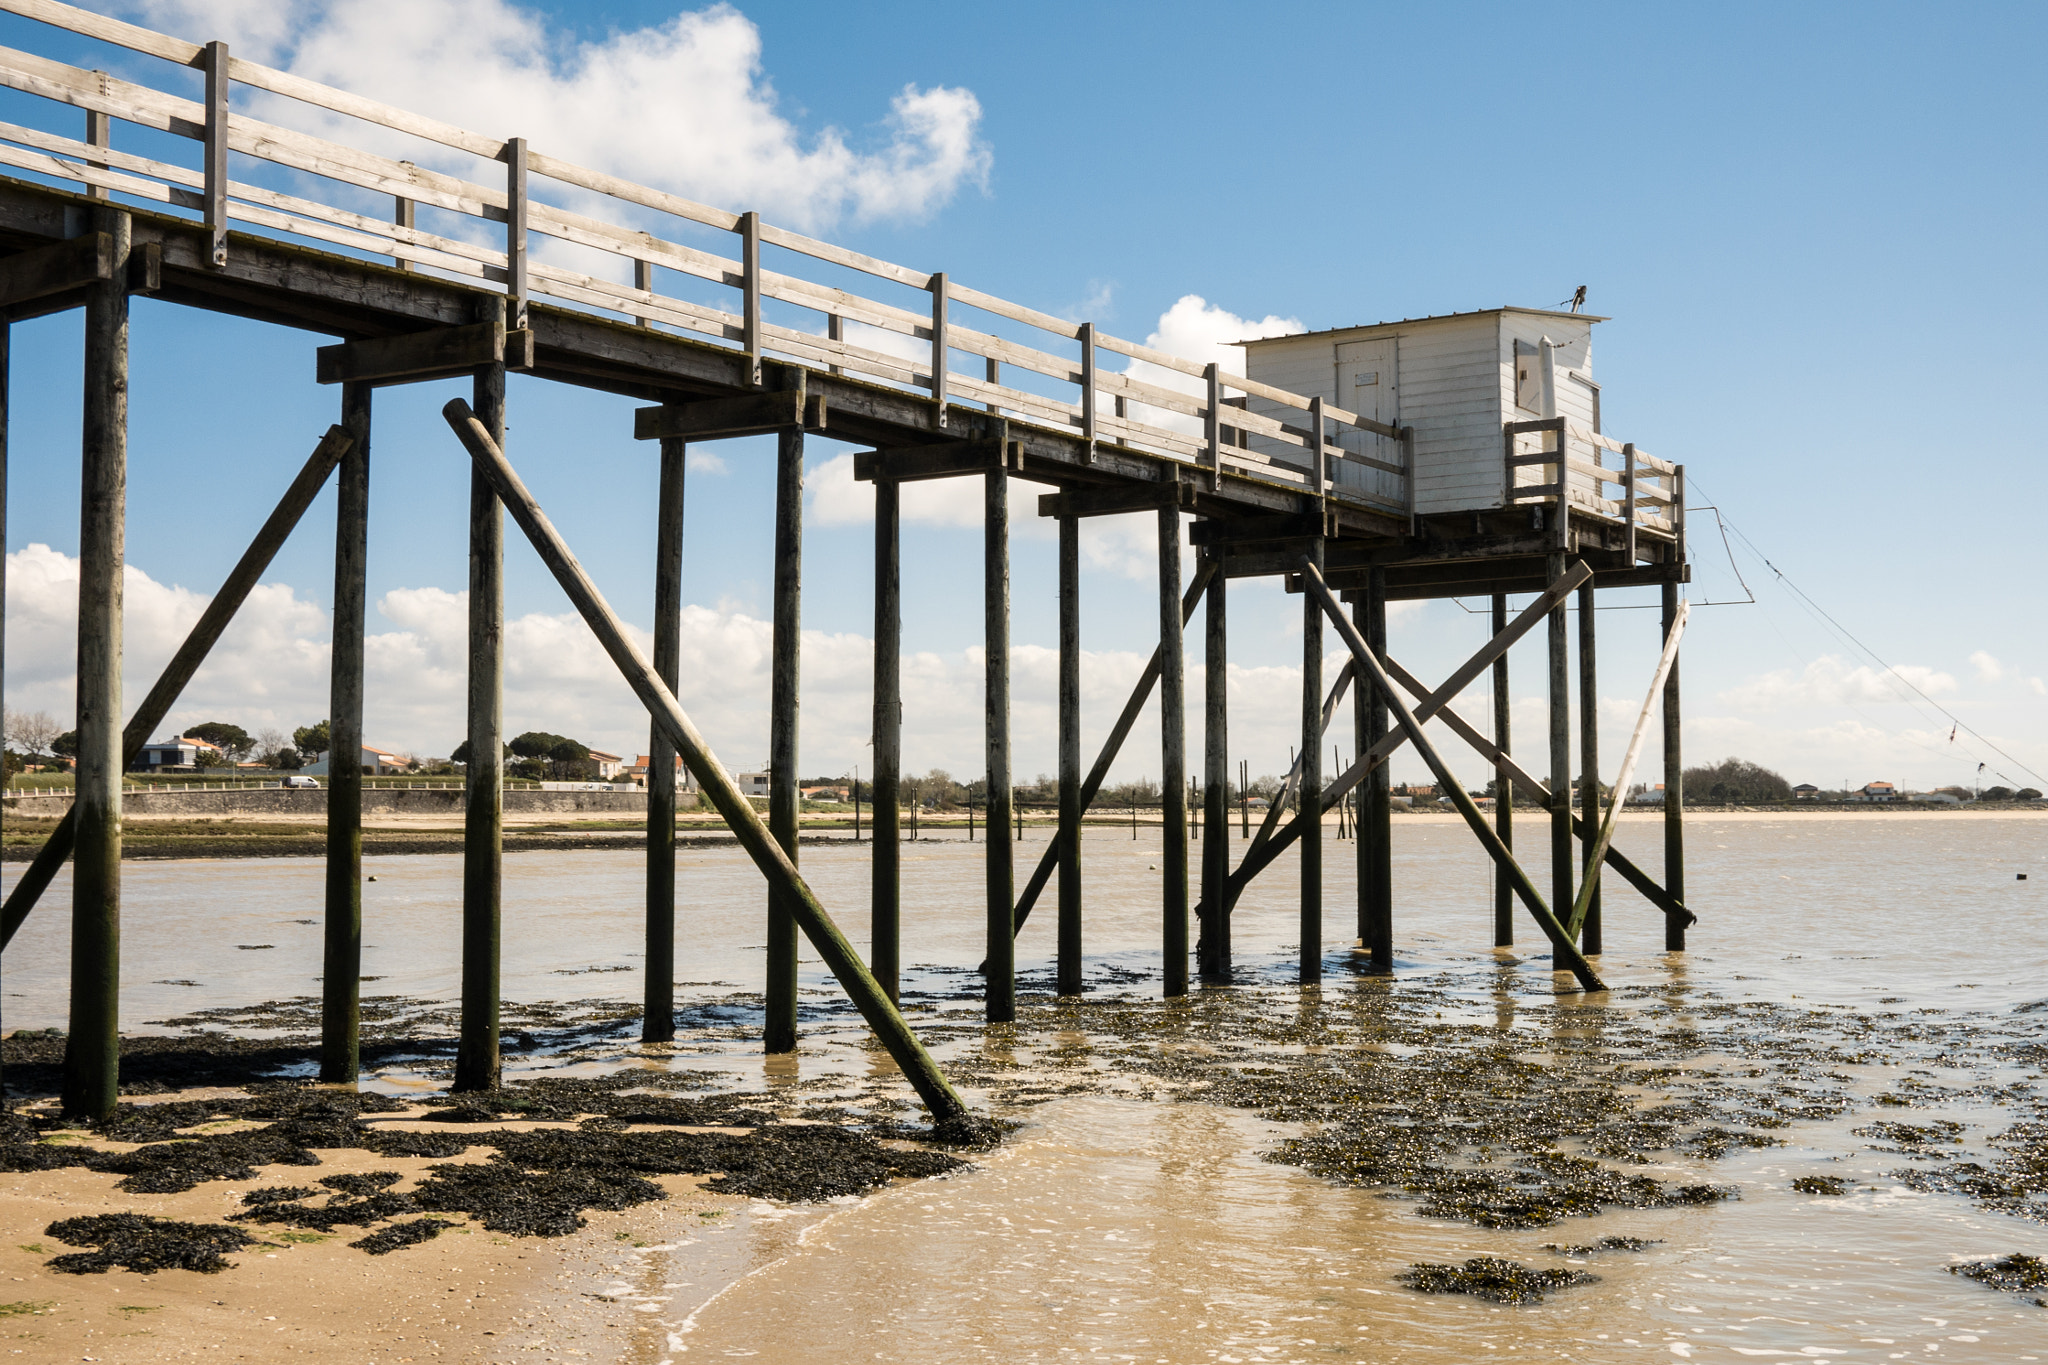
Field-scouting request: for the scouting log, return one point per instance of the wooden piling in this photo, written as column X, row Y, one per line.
column 477, row 1063
column 1215, row 957
column 6, row 344
column 92, row 1057
column 1173, row 762
column 885, row 885
column 1376, row 842
column 779, row 1025
column 658, row 1005
column 1589, row 768
column 1309, row 792
column 342, row 933
column 844, row 963
column 1002, row 940
column 1068, row 969
column 1503, row 788
column 1562, row 883
column 1674, row 788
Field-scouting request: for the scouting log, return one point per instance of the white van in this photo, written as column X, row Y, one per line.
column 300, row 782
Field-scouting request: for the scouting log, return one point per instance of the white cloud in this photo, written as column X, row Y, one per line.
column 683, row 105
column 1830, row 681
column 1988, row 668
column 702, row 461
column 1198, row 330
column 2039, row 688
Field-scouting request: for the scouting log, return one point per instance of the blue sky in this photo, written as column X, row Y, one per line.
column 1817, row 230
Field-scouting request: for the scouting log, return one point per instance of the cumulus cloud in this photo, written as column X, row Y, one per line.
column 1831, row 681
column 683, row 105
column 1988, row 668
column 1198, row 330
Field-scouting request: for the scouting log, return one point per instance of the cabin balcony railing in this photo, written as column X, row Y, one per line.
column 1558, row 461
column 374, row 205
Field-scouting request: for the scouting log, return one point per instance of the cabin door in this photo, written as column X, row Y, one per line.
column 1366, row 384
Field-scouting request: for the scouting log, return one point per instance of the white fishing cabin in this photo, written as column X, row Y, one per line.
column 1457, row 384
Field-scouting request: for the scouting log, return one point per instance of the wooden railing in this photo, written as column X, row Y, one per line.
column 1651, row 491
column 436, row 219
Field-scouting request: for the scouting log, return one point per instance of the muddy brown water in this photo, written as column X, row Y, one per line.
column 1121, row 1223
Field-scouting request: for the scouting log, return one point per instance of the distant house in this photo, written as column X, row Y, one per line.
column 375, row 762
column 1647, row 796
column 1876, row 791
column 608, row 765
column 181, row 751
column 1806, row 791
column 636, row 772
column 824, row 793
column 1934, row 798
column 752, row 784
column 1420, row 793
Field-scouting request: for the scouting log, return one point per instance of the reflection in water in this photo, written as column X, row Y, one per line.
column 1139, row 1226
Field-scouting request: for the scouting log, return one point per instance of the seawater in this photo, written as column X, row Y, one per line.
column 1119, row 1227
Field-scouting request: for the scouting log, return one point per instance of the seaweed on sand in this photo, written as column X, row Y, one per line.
column 386, row 1240
column 1491, row 1277
column 143, row 1244
column 1821, row 1185
column 2016, row 1274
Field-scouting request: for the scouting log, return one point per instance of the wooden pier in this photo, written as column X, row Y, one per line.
column 734, row 327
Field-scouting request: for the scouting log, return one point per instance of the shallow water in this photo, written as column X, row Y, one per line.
column 1126, row 1225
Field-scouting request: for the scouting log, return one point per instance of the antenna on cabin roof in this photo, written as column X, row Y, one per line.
column 1577, row 300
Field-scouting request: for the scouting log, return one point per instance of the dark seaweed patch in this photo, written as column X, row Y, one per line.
column 384, row 1241
column 2016, row 1274
column 1821, row 1184
column 362, row 1184
column 1491, row 1277
column 145, row 1245
column 278, row 1194
column 1604, row 1244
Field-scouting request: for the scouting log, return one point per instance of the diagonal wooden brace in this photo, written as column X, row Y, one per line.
column 868, row 997
column 162, row 697
column 1521, row 777
column 1562, row 947
column 1582, row 905
column 1141, row 692
column 1261, row 856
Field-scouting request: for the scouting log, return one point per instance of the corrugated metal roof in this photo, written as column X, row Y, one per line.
column 1433, row 317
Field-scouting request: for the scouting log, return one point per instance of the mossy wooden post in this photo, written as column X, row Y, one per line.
column 1215, row 940
column 1376, row 841
column 658, row 1006
column 1674, row 789
column 92, row 1058
column 1503, row 788
column 1001, row 902
column 1589, row 767
column 6, row 341
column 779, row 1030
column 342, row 948
column 1173, row 760
column 477, row 1062
column 885, row 885
column 1068, row 971
column 1309, row 790
column 881, row 1014
column 1562, row 883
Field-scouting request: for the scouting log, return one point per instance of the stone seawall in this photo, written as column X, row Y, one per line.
column 301, row 801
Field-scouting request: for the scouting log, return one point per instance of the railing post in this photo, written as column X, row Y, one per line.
column 938, row 288
column 214, row 57
column 1318, row 463
column 99, row 132
column 835, row 332
column 1212, row 424
column 994, row 374
column 750, row 285
column 643, row 280
column 515, row 233
column 1628, row 500
column 1088, row 393
column 1408, row 477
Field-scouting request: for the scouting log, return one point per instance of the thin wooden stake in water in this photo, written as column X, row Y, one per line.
column 845, row 964
column 1597, row 850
